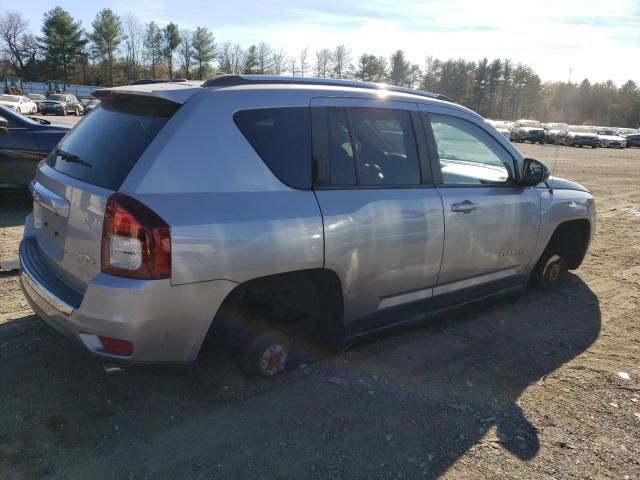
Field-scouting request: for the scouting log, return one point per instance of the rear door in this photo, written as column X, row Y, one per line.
column 88, row 165
column 383, row 222
column 491, row 223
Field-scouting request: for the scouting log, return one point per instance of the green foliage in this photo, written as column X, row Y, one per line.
column 171, row 42
column 251, row 62
column 62, row 41
column 399, row 69
column 371, row 68
column 153, row 39
column 106, row 37
column 204, row 50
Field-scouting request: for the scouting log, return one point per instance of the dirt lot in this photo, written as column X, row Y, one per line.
column 522, row 388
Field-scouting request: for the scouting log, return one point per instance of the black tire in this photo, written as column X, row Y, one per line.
column 594, row 146
column 262, row 349
column 76, row 112
column 550, row 269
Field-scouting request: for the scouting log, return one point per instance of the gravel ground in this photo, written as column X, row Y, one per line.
column 520, row 388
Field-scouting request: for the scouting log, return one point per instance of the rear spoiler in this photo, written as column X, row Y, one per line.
column 176, row 92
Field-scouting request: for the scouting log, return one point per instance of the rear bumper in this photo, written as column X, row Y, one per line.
column 165, row 323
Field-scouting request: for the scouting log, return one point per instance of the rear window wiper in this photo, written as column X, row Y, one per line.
column 71, row 158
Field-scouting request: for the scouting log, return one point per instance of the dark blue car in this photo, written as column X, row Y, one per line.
column 23, row 143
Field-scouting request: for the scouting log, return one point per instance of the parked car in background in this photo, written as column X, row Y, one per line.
column 551, row 131
column 527, row 131
column 25, row 143
column 90, row 105
column 61, row 104
column 18, row 103
column 630, row 135
column 578, row 136
column 36, row 98
column 503, row 126
column 609, row 138
column 297, row 230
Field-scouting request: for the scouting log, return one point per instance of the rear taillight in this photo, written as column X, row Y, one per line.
column 136, row 242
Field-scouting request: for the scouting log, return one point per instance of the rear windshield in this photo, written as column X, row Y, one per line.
column 103, row 148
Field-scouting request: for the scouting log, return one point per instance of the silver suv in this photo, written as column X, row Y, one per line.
column 267, row 210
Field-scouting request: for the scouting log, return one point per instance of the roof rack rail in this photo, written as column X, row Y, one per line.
column 233, row 80
column 148, row 81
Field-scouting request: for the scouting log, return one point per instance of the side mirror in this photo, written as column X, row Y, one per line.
column 534, row 172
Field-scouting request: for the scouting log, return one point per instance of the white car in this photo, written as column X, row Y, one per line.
column 503, row 126
column 18, row 103
column 608, row 138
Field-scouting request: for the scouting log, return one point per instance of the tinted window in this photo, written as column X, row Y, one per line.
column 385, row 147
column 104, row 147
column 366, row 146
column 333, row 146
column 282, row 138
column 469, row 155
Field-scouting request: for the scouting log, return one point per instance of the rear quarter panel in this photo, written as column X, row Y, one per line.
column 230, row 217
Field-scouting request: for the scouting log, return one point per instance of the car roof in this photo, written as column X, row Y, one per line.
column 180, row 92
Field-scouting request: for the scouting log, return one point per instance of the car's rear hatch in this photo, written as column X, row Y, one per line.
column 90, row 163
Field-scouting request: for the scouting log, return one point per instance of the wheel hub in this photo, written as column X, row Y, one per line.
column 273, row 360
column 554, row 269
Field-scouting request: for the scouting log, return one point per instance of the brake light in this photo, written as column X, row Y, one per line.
column 136, row 242
column 116, row 346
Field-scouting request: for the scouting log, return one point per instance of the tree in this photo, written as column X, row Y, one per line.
column 62, row 41
column 204, row 49
column 371, row 68
column 153, row 45
column 106, row 37
column 303, row 61
column 185, row 52
column 15, row 40
column 133, row 37
column 323, row 62
column 340, row 62
column 279, row 61
column 250, row 64
column 265, row 58
column 171, row 42
column 399, row 69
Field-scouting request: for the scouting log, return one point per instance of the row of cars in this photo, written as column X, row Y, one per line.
column 570, row 135
column 54, row 104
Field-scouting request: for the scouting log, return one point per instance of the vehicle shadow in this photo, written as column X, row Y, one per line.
column 412, row 402
column 15, row 204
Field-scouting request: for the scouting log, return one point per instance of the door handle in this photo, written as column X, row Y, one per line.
column 464, row 207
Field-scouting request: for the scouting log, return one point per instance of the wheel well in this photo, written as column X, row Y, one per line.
column 307, row 301
column 572, row 238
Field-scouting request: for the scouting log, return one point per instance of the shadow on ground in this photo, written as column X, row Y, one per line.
column 413, row 402
column 15, row 204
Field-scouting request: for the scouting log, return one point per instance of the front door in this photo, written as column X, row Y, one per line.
column 383, row 221
column 491, row 223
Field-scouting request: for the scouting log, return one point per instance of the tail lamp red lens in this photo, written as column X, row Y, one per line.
column 123, row 348
column 136, row 242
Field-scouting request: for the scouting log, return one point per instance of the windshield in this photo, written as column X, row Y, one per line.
column 628, row 131
column 59, row 98
column 502, row 124
column 35, row 96
column 530, row 123
column 606, row 132
column 9, row 98
column 580, row 129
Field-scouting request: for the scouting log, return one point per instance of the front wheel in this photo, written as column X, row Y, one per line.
column 76, row 112
column 549, row 270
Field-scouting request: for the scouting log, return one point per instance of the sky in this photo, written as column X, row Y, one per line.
column 599, row 40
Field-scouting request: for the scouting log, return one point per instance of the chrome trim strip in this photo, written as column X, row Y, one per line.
column 50, row 200
column 405, row 298
column 472, row 282
column 442, row 289
column 53, row 300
